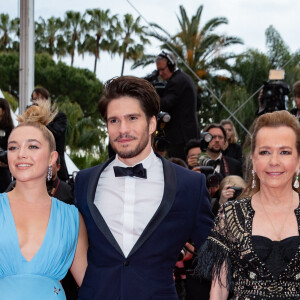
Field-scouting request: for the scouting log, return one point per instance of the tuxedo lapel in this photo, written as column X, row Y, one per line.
column 97, row 217
column 164, row 207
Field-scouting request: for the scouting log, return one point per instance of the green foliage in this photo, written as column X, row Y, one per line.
column 87, row 160
column 128, row 47
column 83, row 133
column 9, row 72
column 79, row 85
column 13, row 102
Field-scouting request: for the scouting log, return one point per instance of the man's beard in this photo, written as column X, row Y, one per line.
column 133, row 152
column 213, row 150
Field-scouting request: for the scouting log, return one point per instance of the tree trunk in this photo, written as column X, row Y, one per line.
column 123, row 64
column 95, row 64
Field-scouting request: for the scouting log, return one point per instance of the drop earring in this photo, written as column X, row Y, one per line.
column 296, row 182
column 253, row 179
column 49, row 175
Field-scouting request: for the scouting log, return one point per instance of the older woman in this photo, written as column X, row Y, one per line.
column 41, row 237
column 254, row 247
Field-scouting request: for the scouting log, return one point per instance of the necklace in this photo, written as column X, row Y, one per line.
column 277, row 234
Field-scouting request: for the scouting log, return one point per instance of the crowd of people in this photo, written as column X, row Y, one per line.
column 182, row 224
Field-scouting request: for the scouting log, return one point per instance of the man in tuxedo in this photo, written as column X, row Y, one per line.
column 179, row 99
column 224, row 165
column 139, row 208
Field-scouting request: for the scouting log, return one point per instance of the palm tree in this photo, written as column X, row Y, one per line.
column 84, row 134
column 129, row 48
column 47, row 33
column 7, row 29
column 74, row 25
column 102, row 27
column 200, row 48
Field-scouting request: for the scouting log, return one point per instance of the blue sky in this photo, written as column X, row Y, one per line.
column 247, row 20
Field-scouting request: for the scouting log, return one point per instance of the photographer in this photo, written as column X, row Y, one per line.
column 230, row 189
column 179, row 99
column 223, row 164
column 193, row 150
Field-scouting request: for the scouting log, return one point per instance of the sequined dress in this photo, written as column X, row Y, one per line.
column 39, row 278
column 252, row 271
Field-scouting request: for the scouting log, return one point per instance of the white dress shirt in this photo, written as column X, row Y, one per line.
column 128, row 203
column 218, row 167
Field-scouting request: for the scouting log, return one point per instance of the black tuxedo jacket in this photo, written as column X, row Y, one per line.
column 147, row 273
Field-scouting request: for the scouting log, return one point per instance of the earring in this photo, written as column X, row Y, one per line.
column 296, row 182
column 253, row 179
column 49, row 175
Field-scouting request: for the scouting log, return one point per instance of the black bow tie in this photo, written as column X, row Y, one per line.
column 137, row 171
column 217, row 162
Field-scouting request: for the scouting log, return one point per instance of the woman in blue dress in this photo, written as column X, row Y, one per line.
column 41, row 237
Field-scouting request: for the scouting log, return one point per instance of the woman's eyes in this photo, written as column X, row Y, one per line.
column 12, row 148
column 283, row 152
column 264, row 152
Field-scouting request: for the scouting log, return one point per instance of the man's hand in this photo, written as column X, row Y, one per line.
column 192, row 160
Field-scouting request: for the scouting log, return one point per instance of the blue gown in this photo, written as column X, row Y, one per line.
column 37, row 279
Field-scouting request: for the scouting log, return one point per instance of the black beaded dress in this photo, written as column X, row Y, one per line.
column 257, row 268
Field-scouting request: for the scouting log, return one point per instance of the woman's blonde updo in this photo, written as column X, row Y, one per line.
column 39, row 115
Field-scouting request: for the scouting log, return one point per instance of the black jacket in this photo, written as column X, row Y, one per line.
column 179, row 99
column 230, row 166
column 58, row 127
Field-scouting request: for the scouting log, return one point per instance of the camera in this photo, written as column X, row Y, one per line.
column 275, row 93
column 207, row 167
column 205, row 139
column 160, row 142
column 237, row 191
column 154, row 80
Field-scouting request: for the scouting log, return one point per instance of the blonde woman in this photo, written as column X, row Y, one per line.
column 41, row 237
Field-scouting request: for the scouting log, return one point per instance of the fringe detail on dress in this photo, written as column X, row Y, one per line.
column 210, row 260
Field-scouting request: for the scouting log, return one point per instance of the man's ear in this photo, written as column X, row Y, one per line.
column 152, row 125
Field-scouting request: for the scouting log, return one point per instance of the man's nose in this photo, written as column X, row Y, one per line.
column 124, row 127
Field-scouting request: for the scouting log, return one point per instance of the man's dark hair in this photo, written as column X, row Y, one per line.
column 40, row 91
column 296, row 89
column 192, row 143
column 214, row 125
column 130, row 86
